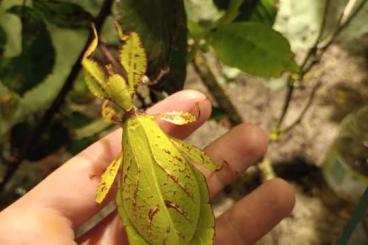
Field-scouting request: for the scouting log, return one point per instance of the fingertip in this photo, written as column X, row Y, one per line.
column 254, row 137
column 281, row 196
column 186, row 100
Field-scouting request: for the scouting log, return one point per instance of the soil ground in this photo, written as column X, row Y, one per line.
column 318, row 216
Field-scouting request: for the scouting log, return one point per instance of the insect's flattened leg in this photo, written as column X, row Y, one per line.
column 177, row 117
column 133, row 235
column 195, row 154
column 109, row 113
column 107, row 178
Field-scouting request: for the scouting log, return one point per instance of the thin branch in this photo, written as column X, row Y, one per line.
column 47, row 117
column 291, row 81
column 117, row 67
column 208, row 78
column 315, row 54
column 346, row 17
column 305, row 109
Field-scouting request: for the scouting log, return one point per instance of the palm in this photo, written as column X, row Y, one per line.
column 65, row 199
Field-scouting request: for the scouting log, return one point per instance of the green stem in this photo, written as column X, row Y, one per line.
column 231, row 13
column 356, row 217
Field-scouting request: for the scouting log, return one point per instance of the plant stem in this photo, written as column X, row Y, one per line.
column 47, row 117
column 291, row 82
column 305, row 109
column 356, row 217
column 208, row 78
column 314, row 55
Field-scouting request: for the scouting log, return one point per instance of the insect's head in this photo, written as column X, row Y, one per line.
column 116, row 88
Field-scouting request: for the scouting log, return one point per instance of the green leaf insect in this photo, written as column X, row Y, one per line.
column 162, row 198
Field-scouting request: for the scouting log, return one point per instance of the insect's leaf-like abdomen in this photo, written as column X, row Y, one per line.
column 160, row 193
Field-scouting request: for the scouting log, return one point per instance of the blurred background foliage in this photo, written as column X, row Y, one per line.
column 47, row 114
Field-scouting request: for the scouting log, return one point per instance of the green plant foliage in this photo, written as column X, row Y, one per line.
column 263, row 11
column 253, row 47
column 36, row 61
column 2, row 41
column 63, row 14
column 52, row 138
column 162, row 27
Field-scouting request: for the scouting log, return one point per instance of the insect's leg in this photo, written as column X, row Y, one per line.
column 107, row 178
column 195, row 154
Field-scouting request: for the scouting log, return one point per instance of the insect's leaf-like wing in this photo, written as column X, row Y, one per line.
column 177, row 117
column 160, row 194
column 195, row 154
column 133, row 59
column 206, row 223
column 133, row 235
column 107, row 178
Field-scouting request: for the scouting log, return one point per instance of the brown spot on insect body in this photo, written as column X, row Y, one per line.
column 152, row 212
column 170, row 204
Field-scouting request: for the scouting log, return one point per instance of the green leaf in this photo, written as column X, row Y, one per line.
column 64, row 14
column 255, row 48
column 2, row 41
column 37, row 59
column 161, row 25
column 52, row 138
column 263, row 11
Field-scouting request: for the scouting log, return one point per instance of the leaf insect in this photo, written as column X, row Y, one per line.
column 162, row 198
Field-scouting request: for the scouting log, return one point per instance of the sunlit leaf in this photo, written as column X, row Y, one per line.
column 37, row 59
column 255, row 48
column 108, row 178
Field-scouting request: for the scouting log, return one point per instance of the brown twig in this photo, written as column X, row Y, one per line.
column 305, row 109
column 115, row 64
column 17, row 160
column 291, row 81
column 200, row 66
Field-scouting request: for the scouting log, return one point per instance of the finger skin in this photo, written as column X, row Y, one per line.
column 256, row 214
column 71, row 190
column 239, row 148
column 236, row 150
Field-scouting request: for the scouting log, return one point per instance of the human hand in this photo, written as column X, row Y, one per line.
column 50, row 212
